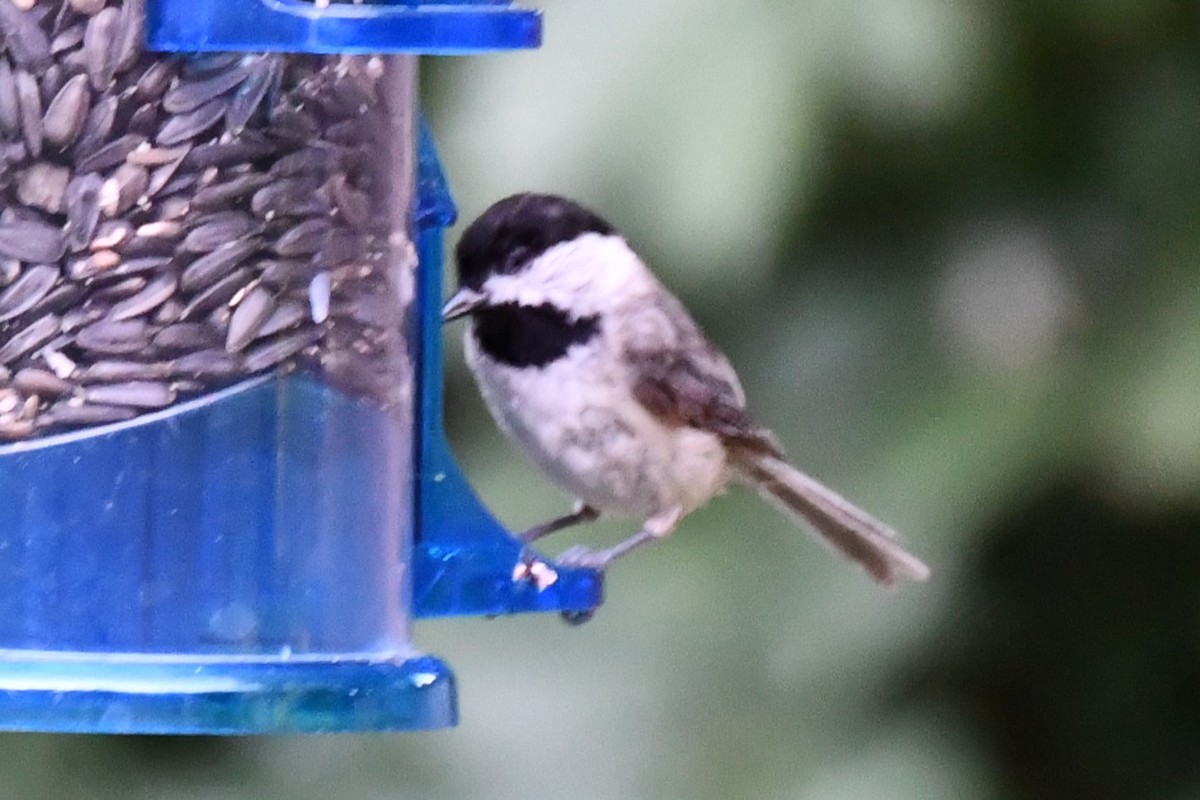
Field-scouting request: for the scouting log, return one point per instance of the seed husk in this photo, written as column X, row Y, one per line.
column 27, row 291
column 208, row 236
column 44, row 185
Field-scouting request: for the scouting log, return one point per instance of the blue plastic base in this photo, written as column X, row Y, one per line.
column 95, row 693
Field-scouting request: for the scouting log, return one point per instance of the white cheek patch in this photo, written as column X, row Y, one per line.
column 586, row 276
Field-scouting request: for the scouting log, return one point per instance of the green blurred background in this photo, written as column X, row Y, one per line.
column 953, row 248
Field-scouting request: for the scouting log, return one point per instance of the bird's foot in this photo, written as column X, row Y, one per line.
column 585, row 558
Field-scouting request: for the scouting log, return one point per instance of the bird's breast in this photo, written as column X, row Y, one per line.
column 576, row 418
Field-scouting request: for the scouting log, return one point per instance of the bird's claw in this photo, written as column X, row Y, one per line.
column 539, row 573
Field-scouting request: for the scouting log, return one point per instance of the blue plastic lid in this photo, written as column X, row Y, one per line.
column 451, row 27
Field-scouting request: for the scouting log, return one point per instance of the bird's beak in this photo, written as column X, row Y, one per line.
column 462, row 303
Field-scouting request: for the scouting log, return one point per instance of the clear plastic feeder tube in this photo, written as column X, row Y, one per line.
column 207, row 384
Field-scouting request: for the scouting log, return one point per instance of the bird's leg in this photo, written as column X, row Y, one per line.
column 653, row 529
column 580, row 514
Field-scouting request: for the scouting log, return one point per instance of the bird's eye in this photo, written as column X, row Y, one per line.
column 515, row 258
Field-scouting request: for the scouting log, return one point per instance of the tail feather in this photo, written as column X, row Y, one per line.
column 846, row 528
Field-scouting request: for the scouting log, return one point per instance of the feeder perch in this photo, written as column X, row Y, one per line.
column 244, row 549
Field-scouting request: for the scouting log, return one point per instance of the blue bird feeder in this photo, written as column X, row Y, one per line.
column 235, row 538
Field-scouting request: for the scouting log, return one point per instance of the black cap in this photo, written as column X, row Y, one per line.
column 518, row 229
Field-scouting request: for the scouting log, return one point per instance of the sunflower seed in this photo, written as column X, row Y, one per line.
column 318, row 297
column 43, row 185
column 262, row 75
column 182, row 127
column 137, row 266
column 13, row 430
column 208, row 268
column 29, row 240
column 96, row 129
column 89, row 266
column 248, row 317
column 221, row 195
column 28, row 44
column 286, row 315
column 111, row 154
column 122, row 190
column 114, row 337
column 169, row 312
column 118, row 290
column 274, row 351
column 97, row 47
column 227, row 154
column 87, row 7
column 83, row 209
column 163, row 175
column 154, row 80
column 156, row 292
column 139, row 394
column 206, row 364
column 29, row 101
column 189, row 95
column 67, row 413
column 350, row 203
column 10, row 111
column 60, row 300
column 108, row 371
column 144, row 120
column 10, row 270
column 67, row 112
column 210, row 235
column 50, row 81
column 295, row 197
column 67, row 39
column 147, row 156
column 25, row 293
column 216, row 295
column 111, row 233
column 29, row 338
column 129, row 34
column 41, row 382
column 184, row 336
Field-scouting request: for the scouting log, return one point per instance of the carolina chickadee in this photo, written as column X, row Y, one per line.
column 598, row 372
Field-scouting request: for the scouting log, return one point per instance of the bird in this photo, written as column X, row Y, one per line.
column 601, row 376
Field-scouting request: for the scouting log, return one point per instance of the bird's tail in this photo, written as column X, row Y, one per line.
column 846, row 528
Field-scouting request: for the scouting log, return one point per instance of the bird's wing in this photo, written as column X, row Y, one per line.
column 682, row 379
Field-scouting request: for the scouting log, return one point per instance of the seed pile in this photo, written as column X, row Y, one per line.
column 171, row 225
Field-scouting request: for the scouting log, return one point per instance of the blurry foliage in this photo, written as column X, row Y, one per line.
column 952, row 248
